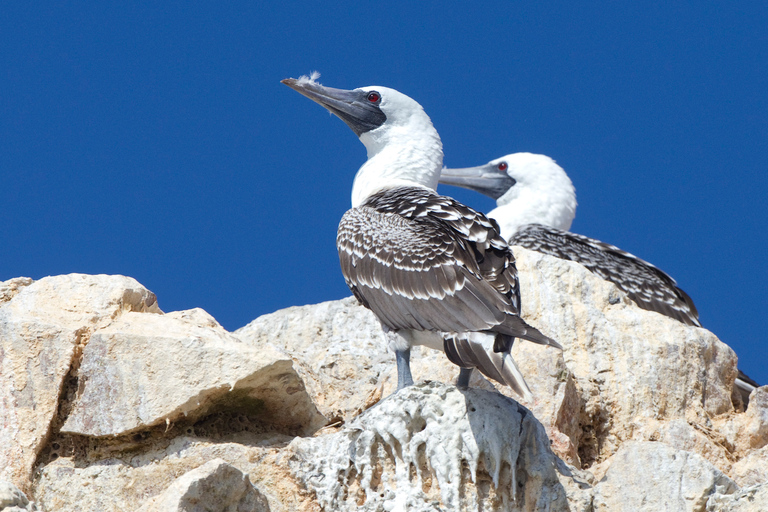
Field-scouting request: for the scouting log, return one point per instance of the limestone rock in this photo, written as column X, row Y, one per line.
column 340, row 350
column 752, row 499
column 121, row 406
column 756, row 425
column 630, row 365
column 752, row 469
column 648, row 476
column 433, row 447
column 215, row 485
column 43, row 328
column 342, row 355
column 143, row 370
column 130, row 479
column 12, row 499
column 8, row 289
column 80, row 300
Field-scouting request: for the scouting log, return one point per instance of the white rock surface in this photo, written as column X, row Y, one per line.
column 12, row 499
column 43, row 327
column 434, row 447
column 752, row 469
column 105, row 402
column 143, row 472
column 648, row 476
column 9, row 289
column 755, row 431
column 143, row 370
column 339, row 348
column 631, row 366
column 751, row 499
column 215, row 485
column 342, row 356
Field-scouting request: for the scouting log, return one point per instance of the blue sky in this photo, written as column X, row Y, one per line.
column 155, row 140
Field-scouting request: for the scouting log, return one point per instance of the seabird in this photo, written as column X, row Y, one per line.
column 535, row 206
column 434, row 271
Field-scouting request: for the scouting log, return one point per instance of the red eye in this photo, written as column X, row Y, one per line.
column 503, row 166
column 373, row 97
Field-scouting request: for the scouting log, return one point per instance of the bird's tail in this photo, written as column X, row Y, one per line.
column 516, row 327
column 473, row 350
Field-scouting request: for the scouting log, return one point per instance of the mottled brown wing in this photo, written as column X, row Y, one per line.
column 649, row 287
column 414, row 275
column 426, row 262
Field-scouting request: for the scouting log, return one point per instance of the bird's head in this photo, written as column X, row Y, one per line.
column 529, row 187
column 403, row 145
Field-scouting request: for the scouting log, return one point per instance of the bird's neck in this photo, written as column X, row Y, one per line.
column 403, row 156
column 553, row 208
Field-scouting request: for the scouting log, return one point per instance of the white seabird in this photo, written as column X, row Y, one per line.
column 536, row 204
column 434, row 271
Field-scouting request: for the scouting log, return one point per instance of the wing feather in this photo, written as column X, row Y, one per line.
column 648, row 286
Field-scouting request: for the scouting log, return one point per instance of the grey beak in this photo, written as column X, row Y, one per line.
column 352, row 107
column 485, row 179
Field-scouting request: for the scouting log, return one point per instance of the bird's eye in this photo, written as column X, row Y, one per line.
column 502, row 166
column 374, row 97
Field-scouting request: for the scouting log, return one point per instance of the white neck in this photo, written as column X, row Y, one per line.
column 404, row 151
column 543, row 194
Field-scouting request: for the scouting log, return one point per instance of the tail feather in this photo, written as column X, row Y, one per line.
column 472, row 351
column 516, row 326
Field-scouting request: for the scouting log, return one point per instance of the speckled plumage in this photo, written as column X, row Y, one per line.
column 426, row 262
column 649, row 287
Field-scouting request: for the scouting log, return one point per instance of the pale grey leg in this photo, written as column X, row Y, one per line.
column 463, row 381
column 404, row 378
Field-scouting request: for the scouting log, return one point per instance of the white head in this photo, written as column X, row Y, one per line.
column 528, row 189
column 404, row 148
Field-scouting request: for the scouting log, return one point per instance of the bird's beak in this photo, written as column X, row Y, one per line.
column 486, row 179
column 352, row 107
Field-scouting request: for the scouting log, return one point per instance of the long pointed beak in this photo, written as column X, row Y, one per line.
column 485, row 179
column 352, row 107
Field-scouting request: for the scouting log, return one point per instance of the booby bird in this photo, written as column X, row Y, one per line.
column 434, row 271
column 536, row 204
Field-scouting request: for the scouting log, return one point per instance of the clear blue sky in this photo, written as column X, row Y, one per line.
column 154, row 139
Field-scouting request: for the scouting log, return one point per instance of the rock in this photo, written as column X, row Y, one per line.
column 115, row 406
column 682, row 435
column 648, row 476
column 143, row 370
column 755, row 430
column 752, row 469
column 631, row 366
column 9, row 289
column 434, row 447
column 342, row 355
column 340, row 350
column 752, row 499
column 43, row 328
column 215, row 485
column 129, row 479
column 12, row 499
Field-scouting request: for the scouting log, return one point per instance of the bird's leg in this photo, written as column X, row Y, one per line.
column 463, row 381
column 404, row 378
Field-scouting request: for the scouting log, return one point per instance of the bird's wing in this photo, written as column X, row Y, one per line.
column 649, row 287
column 419, row 262
column 477, row 235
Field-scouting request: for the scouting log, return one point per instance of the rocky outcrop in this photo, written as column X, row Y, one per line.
column 13, row 500
column 108, row 403
column 751, row 499
column 435, row 444
column 44, row 327
column 144, row 370
column 215, row 485
column 673, row 480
